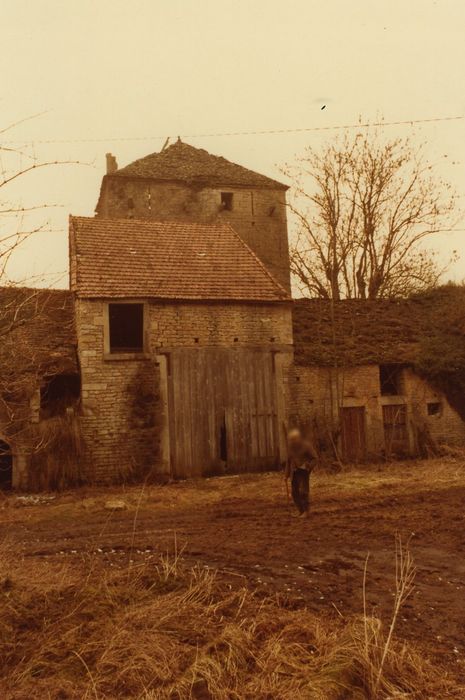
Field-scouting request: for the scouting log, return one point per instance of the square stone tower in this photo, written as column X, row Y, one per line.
column 184, row 183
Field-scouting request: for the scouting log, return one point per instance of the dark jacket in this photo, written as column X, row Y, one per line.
column 300, row 456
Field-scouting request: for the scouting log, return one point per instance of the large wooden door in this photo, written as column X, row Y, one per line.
column 222, row 408
column 353, row 433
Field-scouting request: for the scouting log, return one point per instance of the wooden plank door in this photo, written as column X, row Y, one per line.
column 353, row 433
column 222, row 407
column 263, row 412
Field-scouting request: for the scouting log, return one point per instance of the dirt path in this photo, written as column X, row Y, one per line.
column 243, row 527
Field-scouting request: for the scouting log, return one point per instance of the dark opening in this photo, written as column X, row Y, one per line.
column 59, row 392
column 126, row 327
column 227, row 201
column 223, row 441
column 395, row 429
column 6, row 466
column 390, row 379
column 434, row 408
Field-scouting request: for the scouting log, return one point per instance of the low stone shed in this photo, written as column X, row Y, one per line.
column 356, row 379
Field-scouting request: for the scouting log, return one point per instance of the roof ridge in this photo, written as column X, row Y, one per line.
column 149, row 222
column 208, row 167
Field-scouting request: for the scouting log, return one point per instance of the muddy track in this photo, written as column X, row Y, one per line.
column 252, row 538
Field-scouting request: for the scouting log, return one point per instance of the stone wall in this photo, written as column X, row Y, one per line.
column 122, row 399
column 446, row 426
column 258, row 215
column 316, row 393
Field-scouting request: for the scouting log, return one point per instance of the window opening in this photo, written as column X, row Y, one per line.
column 434, row 408
column 227, row 201
column 390, row 378
column 59, row 392
column 126, row 323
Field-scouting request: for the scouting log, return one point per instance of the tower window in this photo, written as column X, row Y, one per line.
column 126, row 327
column 227, row 201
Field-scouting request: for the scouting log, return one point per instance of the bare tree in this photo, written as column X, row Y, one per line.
column 364, row 207
column 26, row 313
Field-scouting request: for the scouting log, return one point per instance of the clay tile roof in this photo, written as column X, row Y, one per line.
column 184, row 163
column 166, row 260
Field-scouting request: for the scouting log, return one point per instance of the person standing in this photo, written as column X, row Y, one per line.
column 300, row 463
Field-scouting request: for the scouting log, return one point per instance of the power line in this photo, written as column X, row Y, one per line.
column 410, row 122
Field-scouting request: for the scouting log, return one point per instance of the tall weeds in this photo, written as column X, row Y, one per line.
column 56, row 456
column 165, row 631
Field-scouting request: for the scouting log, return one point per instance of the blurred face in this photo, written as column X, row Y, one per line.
column 294, row 437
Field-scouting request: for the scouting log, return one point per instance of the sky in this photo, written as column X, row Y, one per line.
column 118, row 76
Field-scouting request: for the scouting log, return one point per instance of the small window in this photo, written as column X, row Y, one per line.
column 227, row 201
column 434, row 408
column 126, row 327
column 390, row 379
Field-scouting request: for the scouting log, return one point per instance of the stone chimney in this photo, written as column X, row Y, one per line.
column 112, row 165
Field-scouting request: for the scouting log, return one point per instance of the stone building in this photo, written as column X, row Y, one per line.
column 178, row 351
column 183, row 183
column 184, row 341
column 181, row 327
column 354, row 383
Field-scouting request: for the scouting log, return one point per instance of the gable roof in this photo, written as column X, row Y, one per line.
column 383, row 331
column 184, row 163
column 166, row 260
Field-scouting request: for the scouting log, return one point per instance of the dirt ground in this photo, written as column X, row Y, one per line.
column 244, row 527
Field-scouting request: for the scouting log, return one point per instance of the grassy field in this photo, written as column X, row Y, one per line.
column 212, row 589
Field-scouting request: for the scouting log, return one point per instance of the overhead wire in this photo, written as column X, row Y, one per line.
column 258, row 132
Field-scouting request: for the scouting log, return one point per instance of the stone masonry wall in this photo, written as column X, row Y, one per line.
column 258, row 215
column 446, row 426
column 121, row 394
column 317, row 392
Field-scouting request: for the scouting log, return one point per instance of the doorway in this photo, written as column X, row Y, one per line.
column 353, row 433
column 223, row 413
column 395, row 429
column 6, row 466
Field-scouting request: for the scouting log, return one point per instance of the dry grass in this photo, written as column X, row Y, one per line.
column 160, row 630
column 55, row 461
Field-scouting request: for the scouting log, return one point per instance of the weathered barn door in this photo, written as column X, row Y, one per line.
column 222, row 408
column 353, row 433
column 395, row 429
